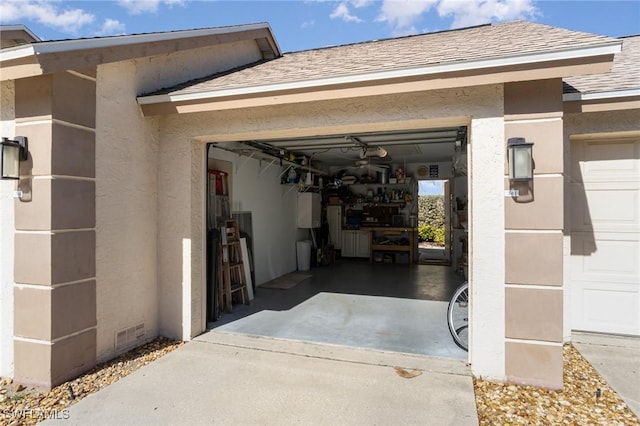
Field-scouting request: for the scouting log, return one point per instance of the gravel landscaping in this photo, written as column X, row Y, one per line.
column 20, row 406
column 586, row 398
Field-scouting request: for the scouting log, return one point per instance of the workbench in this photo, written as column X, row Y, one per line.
column 393, row 232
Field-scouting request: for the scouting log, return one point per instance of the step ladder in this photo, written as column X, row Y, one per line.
column 231, row 266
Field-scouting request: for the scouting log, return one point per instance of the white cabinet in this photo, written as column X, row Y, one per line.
column 309, row 210
column 362, row 243
column 355, row 243
column 348, row 243
column 334, row 219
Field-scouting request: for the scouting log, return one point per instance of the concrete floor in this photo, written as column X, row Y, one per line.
column 397, row 308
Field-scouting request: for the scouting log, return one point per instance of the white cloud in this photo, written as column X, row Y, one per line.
column 403, row 14
column 308, row 24
column 468, row 13
column 138, row 7
column 342, row 12
column 361, row 3
column 111, row 27
column 67, row 20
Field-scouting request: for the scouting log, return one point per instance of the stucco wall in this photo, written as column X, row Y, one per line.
column 479, row 107
column 127, row 179
column 7, row 129
column 126, row 151
column 586, row 124
column 486, row 247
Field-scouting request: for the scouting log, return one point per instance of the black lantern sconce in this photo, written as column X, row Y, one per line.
column 520, row 155
column 13, row 152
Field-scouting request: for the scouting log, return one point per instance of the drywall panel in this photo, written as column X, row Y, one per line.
column 273, row 213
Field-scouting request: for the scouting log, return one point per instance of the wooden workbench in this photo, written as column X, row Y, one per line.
column 412, row 234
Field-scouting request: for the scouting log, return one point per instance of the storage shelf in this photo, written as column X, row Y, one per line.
column 390, row 247
column 398, row 204
column 408, row 182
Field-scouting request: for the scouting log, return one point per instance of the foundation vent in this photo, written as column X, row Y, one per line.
column 130, row 337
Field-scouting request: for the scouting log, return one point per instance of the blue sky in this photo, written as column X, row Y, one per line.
column 311, row 24
column 430, row 187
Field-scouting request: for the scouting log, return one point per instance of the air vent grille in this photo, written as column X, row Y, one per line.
column 130, row 337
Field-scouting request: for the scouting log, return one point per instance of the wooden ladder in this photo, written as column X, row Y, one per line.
column 231, row 266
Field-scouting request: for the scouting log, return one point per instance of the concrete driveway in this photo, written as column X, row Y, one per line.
column 617, row 359
column 221, row 378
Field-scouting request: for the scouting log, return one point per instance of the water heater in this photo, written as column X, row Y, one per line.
column 309, row 210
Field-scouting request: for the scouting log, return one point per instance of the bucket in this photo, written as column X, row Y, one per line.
column 303, row 255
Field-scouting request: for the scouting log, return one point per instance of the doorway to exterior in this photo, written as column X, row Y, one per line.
column 434, row 243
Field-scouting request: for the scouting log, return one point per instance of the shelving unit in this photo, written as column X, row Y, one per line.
column 219, row 201
column 231, row 266
column 412, row 234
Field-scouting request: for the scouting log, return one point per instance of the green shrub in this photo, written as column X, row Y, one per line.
column 431, row 234
column 439, row 237
column 431, row 210
column 425, row 233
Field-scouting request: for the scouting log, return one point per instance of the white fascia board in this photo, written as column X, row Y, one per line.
column 568, row 97
column 565, row 54
column 105, row 42
column 20, row 27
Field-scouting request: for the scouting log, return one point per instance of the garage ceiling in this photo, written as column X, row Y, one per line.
column 415, row 146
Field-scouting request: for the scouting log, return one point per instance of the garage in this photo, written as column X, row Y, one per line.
column 362, row 286
column 604, row 270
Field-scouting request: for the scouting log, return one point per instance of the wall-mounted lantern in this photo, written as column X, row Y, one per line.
column 13, row 151
column 520, row 155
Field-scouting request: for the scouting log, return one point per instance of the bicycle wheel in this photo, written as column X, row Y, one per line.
column 458, row 316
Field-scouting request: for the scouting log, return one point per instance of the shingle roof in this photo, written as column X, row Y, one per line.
column 625, row 73
column 447, row 47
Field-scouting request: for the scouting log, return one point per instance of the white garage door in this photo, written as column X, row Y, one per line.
column 604, row 266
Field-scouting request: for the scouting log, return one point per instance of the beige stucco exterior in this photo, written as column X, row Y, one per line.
column 113, row 213
column 7, row 230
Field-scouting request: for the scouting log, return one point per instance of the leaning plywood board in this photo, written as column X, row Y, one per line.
column 247, row 269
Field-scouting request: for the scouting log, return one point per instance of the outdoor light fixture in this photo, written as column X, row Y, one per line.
column 520, row 157
column 13, row 151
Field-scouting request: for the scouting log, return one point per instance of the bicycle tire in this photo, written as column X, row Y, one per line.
column 458, row 319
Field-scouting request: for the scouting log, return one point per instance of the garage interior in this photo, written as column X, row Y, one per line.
column 361, row 280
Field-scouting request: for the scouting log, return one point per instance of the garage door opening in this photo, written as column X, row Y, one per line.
column 365, row 286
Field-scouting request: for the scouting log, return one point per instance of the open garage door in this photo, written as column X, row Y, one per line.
column 372, row 293
column 605, row 225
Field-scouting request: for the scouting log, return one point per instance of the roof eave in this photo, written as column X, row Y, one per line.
column 599, row 50
column 601, row 95
column 54, row 48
